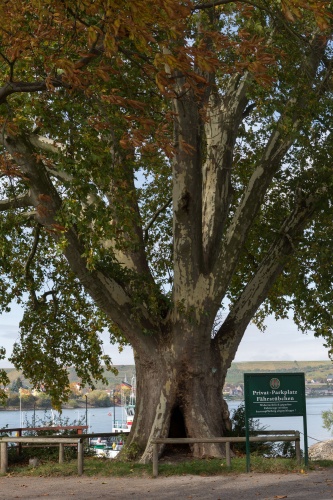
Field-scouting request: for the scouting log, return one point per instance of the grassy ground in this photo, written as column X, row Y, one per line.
column 94, row 466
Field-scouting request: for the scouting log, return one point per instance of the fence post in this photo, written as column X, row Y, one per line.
column 155, row 460
column 298, row 447
column 4, row 457
column 19, row 449
column 227, row 453
column 80, row 457
column 61, row 453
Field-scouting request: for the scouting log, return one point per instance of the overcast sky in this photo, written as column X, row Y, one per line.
column 280, row 342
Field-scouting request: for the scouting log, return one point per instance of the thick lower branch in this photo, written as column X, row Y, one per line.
column 108, row 292
column 224, row 117
column 279, row 143
column 256, row 291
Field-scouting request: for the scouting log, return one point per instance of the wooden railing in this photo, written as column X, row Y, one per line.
column 33, row 440
column 18, row 430
column 52, row 440
column 269, row 436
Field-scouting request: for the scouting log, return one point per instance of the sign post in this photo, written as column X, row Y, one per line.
column 274, row 395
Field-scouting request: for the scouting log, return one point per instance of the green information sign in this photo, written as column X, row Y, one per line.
column 274, row 395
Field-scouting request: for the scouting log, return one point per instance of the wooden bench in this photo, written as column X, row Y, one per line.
column 61, row 441
column 268, row 436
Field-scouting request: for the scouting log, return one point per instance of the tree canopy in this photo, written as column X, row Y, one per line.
column 161, row 160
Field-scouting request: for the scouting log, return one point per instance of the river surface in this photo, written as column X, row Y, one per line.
column 314, row 409
column 102, row 419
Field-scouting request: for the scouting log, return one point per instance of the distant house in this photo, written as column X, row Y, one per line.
column 239, row 390
column 329, row 379
column 24, row 392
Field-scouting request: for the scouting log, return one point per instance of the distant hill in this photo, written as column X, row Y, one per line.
column 125, row 372
column 312, row 369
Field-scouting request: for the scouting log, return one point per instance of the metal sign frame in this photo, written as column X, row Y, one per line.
column 274, row 395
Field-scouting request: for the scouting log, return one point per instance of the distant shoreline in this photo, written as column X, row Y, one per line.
column 15, row 408
column 65, row 407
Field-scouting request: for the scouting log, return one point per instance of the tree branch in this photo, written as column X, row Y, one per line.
column 105, row 287
column 18, row 87
column 22, row 201
column 275, row 150
column 257, row 289
column 11, row 65
column 28, row 274
column 209, row 5
column 43, row 298
column 46, row 144
column 59, row 174
column 225, row 115
column 153, row 219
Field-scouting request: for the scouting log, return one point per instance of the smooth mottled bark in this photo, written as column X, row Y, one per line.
column 209, row 110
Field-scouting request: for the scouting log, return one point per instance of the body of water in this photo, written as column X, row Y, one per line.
column 98, row 419
column 102, row 419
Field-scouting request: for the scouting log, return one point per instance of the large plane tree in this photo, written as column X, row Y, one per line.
column 166, row 174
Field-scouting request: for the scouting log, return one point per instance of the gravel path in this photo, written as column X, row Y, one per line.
column 315, row 485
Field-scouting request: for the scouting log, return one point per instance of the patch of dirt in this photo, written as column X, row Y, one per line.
column 297, row 486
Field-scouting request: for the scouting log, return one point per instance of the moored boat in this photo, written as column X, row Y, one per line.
column 128, row 409
column 108, row 448
column 125, row 425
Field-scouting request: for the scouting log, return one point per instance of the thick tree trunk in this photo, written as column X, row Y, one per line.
column 176, row 398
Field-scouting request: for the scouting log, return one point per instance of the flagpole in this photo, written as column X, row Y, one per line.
column 114, row 408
